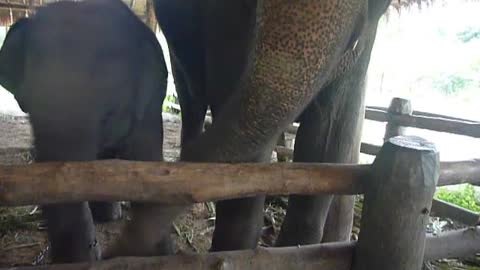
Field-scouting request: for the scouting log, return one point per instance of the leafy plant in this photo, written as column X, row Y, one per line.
column 469, row 34
column 450, row 84
column 463, row 197
column 166, row 104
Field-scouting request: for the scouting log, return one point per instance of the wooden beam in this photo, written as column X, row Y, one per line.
column 115, row 180
column 431, row 123
column 448, row 210
column 338, row 256
column 453, row 244
column 421, row 113
column 370, row 149
column 170, row 183
column 459, row 172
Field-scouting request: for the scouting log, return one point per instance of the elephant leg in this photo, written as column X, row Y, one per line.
column 238, row 224
column 105, row 211
column 193, row 109
column 329, row 132
column 338, row 112
column 306, row 215
column 338, row 227
column 71, row 233
column 71, row 230
column 148, row 232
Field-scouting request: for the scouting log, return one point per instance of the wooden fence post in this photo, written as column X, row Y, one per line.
column 397, row 106
column 400, row 106
column 396, row 206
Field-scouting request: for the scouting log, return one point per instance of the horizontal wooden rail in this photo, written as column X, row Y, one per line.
column 459, row 172
column 448, row 210
column 431, row 123
column 185, row 183
column 170, row 183
column 337, row 256
column 451, row 172
column 370, row 149
column 427, row 114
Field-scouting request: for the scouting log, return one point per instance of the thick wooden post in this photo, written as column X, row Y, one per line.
column 396, row 206
column 398, row 106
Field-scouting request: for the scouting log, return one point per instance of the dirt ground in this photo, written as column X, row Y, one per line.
column 22, row 230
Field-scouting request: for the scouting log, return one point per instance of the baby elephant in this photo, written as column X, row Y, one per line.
column 93, row 78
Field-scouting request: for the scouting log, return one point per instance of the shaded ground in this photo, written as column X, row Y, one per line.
column 22, row 230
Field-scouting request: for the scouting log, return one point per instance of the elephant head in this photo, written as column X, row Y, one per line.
column 12, row 60
column 93, row 78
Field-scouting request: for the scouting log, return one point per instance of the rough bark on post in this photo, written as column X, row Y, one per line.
column 396, row 206
column 398, row 106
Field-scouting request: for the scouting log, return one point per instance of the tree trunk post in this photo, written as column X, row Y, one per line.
column 397, row 205
column 398, row 106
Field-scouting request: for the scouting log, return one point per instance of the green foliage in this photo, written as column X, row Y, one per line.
column 463, row 197
column 469, row 34
column 450, row 84
column 166, row 107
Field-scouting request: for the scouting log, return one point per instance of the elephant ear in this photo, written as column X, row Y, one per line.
column 153, row 79
column 12, row 59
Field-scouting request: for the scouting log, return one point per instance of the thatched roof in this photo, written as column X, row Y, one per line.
column 400, row 4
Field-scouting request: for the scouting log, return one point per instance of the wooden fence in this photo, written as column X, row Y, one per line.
column 392, row 234
column 400, row 115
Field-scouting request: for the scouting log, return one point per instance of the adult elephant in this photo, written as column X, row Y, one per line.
column 260, row 66
column 93, row 88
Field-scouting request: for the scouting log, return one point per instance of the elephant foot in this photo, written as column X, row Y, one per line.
column 71, row 233
column 131, row 245
column 148, row 233
column 105, row 211
column 238, row 224
column 305, row 220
